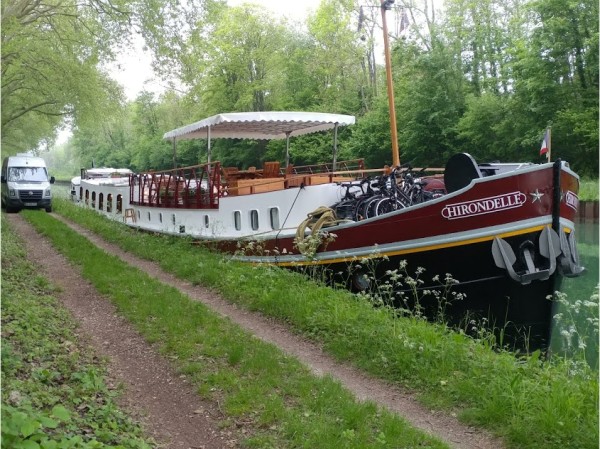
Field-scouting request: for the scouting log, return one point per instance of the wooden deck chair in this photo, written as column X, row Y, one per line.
column 271, row 169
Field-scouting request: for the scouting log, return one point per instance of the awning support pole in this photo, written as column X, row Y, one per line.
column 174, row 153
column 335, row 130
column 287, row 148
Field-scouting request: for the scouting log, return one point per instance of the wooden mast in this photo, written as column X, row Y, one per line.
column 385, row 6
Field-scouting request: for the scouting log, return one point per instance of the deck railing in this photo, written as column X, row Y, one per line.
column 201, row 186
column 194, row 187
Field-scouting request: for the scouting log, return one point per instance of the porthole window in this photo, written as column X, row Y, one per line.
column 254, row 220
column 237, row 220
column 274, row 217
column 148, row 215
column 160, row 217
column 138, row 214
column 206, row 221
column 173, row 218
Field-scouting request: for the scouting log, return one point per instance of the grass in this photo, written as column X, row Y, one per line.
column 588, row 189
column 54, row 393
column 279, row 401
column 508, row 395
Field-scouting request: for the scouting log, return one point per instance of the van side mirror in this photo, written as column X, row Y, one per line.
column 3, row 180
column 52, row 179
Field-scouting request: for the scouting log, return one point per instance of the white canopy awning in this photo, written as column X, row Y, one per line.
column 260, row 125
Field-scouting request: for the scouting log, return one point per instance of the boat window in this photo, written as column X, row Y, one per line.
column 173, row 218
column 206, row 221
column 109, row 203
column 138, row 214
column 237, row 220
column 93, row 200
column 254, row 219
column 119, row 203
column 80, row 193
column 87, row 197
column 101, row 201
column 148, row 215
column 160, row 217
column 274, row 216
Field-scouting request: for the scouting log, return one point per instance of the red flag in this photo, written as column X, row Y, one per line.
column 545, row 143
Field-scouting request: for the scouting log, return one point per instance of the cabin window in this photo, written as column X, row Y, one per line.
column 101, row 201
column 87, row 197
column 138, row 214
column 160, row 217
column 148, row 215
column 173, row 218
column 237, row 220
column 254, row 219
column 80, row 193
column 93, row 200
column 206, row 221
column 119, row 203
column 274, row 217
column 109, row 203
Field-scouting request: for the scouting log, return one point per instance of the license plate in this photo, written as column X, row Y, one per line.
column 30, row 204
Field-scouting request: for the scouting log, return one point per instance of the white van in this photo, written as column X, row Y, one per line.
column 25, row 183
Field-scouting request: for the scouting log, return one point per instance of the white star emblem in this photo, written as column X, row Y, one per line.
column 536, row 196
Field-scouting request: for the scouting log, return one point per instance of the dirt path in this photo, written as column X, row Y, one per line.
column 172, row 411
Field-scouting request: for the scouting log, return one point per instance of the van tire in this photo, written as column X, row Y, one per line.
column 49, row 209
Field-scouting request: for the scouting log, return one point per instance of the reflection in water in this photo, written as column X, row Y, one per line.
column 578, row 316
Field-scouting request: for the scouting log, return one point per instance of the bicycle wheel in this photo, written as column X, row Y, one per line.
column 366, row 207
column 387, row 205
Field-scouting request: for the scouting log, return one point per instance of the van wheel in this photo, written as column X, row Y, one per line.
column 49, row 209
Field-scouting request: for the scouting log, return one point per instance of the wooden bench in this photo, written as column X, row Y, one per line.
column 248, row 186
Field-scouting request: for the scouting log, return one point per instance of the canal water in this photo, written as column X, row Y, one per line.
column 578, row 320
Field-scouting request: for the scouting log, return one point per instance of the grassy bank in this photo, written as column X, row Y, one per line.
column 588, row 190
column 531, row 403
column 54, row 392
column 280, row 403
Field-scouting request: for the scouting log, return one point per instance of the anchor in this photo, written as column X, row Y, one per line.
column 569, row 262
column 549, row 248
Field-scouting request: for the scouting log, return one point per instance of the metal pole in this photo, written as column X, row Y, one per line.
column 549, row 143
column 287, row 149
column 335, row 130
column 385, row 5
column 174, row 153
column 208, row 148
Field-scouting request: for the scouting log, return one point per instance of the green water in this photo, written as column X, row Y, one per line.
column 582, row 288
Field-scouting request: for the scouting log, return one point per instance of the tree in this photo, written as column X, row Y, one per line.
column 50, row 52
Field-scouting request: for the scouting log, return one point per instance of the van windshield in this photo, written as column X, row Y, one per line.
column 27, row 174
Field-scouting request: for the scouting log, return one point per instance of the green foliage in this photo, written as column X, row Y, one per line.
column 485, row 77
column 50, row 53
column 53, row 390
column 589, row 190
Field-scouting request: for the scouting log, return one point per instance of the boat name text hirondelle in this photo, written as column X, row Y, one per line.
column 484, row 205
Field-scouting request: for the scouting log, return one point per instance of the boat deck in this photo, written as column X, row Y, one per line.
column 201, row 186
